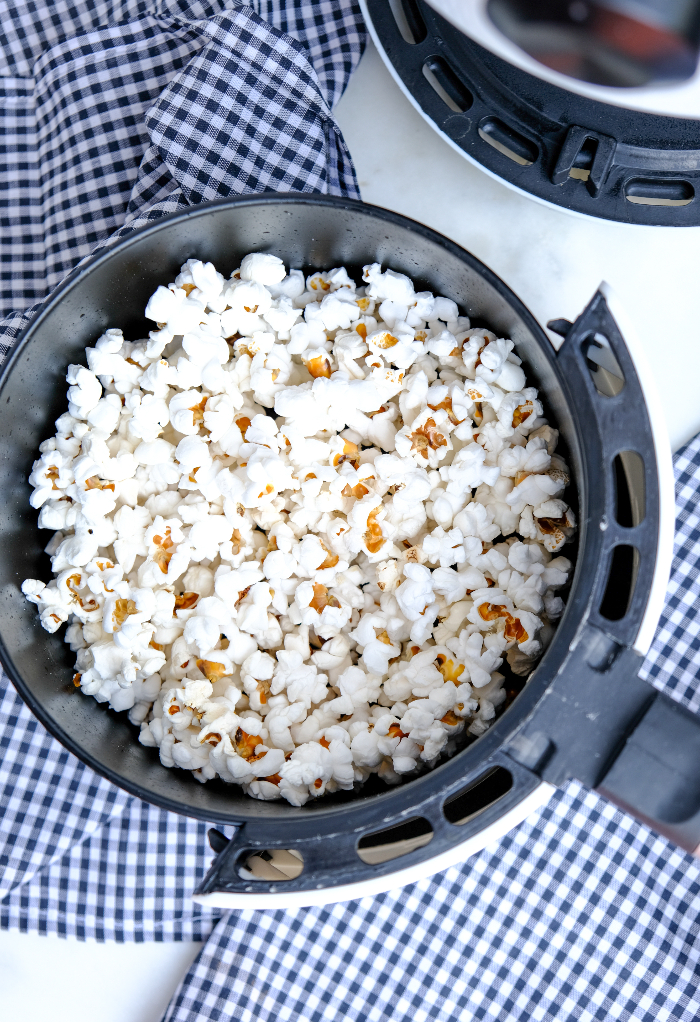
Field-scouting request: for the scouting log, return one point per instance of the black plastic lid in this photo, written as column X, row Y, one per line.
column 589, row 157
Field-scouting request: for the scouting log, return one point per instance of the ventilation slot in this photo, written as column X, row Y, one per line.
column 516, row 147
column 384, row 845
column 622, row 576
column 659, row 193
column 472, row 801
column 276, row 864
column 447, row 85
column 408, row 21
column 604, row 368
column 583, row 163
column 629, row 489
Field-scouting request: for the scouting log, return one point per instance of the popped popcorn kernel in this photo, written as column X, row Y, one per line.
column 306, row 531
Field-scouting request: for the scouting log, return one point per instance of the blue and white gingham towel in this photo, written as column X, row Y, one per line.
column 114, row 113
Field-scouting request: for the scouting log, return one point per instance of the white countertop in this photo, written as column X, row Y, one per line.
column 554, row 262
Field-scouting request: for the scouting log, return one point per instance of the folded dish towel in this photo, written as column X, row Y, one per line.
column 115, row 113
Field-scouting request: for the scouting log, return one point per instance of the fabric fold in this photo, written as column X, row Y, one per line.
column 109, row 108
column 49, row 800
column 246, row 115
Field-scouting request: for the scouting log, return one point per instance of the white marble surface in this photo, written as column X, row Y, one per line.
column 554, row 262
column 46, row 978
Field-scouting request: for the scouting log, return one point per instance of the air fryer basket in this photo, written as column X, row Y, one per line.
column 583, row 699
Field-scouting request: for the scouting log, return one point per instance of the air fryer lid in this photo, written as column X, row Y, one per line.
column 640, row 49
column 582, row 700
column 587, row 156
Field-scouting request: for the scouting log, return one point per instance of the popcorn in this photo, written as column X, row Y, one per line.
column 443, row 547
column 149, row 415
column 427, row 439
column 85, row 392
column 300, row 681
column 396, row 287
column 387, row 575
column 338, row 310
column 263, row 268
column 415, row 599
column 468, row 470
column 324, row 611
column 187, row 411
column 300, row 530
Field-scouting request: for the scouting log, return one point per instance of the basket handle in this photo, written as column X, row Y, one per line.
column 656, row 776
column 599, row 722
column 609, row 380
column 422, row 828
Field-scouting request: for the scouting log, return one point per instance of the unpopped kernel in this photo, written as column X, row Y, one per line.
column 299, row 528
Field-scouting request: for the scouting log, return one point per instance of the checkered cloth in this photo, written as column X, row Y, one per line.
column 113, row 114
